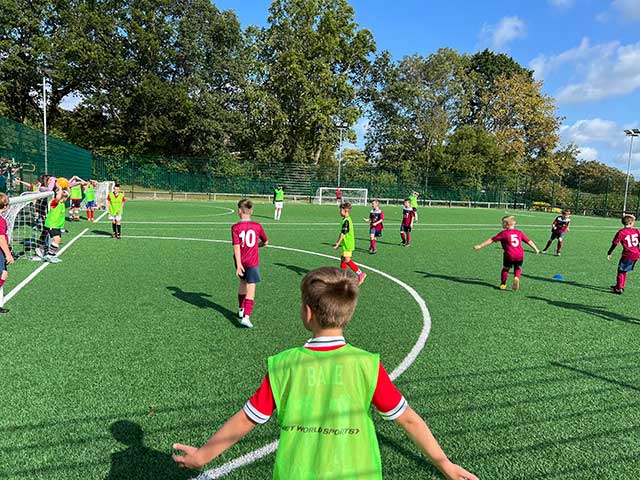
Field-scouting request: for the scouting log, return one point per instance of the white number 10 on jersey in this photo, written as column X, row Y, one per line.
column 248, row 238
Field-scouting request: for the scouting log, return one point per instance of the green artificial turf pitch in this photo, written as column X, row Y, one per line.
column 128, row 346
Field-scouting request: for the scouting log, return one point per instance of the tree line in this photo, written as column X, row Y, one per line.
column 182, row 78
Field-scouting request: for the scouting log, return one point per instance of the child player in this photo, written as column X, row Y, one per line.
column 6, row 258
column 413, row 200
column 90, row 199
column 511, row 240
column 347, row 240
column 116, row 201
column 408, row 216
column 278, row 201
column 322, row 393
column 247, row 236
column 559, row 227
column 376, row 217
column 629, row 237
column 75, row 193
column 54, row 223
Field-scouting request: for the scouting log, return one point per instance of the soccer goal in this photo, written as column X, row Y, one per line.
column 102, row 190
column 327, row 196
column 25, row 219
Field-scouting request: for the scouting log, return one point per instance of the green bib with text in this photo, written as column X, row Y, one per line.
column 323, row 401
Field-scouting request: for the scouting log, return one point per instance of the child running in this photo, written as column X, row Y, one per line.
column 347, row 240
column 116, row 201
column 511, row 240
column 408, row 216
column 6, row 258
column 322, row 393
column 559, row 227
column 629, row 237
column 247, row 237
column 376, row 217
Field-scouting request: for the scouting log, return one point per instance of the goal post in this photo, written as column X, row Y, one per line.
column 102, row 190
column 327, row 196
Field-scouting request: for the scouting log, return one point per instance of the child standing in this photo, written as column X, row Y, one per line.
column 6, row 258
column 408, row 216
column 629, row 237
column 53, row 226
column 347, row 240
column 116, row 201
column 559, row 227
column 75, row 193
column 511, row 240
column 278, row 201
column 376, row 217
column 323, row 393
column 247, row 236
column 90, row 199
column 413, row 200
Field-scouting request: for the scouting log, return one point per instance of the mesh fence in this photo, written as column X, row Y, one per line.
column 26, row 147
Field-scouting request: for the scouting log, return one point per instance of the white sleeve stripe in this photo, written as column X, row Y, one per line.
column 254, row 414
column 395, row 412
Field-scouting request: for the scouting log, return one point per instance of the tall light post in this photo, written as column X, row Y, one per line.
column 630, row 133
column 342, row 127
column 44, row 115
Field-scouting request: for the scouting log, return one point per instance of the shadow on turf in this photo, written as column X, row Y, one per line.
column 198, row 299
column 450, row 278
column 413, row 456
column 139, row 462
column 298, row 270
column 600, row 312
column 566, row 282
column 101, row 232
column 595, row 376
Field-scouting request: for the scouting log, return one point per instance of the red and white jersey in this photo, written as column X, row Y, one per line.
column 248, row 235
column 511, row 240
column 3, row 229
column 561, row 224
column 386, row 397
column 376, row 216
column 629, row 238
column 407, row 216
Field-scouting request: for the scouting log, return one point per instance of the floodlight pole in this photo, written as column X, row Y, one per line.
column 630, row 133
column 44, row 114
column 341, row 128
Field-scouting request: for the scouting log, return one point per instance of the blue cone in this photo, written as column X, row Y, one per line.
column 558, row 277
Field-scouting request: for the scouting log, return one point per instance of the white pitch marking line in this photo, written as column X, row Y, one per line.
column 261, row 452
column 33, row 274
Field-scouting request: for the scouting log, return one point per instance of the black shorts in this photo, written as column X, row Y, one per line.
column 625, row 266
column 251, row 274
column 3, row 262
column 75, row 202
column 405, row 228
column 557, row 234
column 52, row 232
column 508, row 263
column 375, row 232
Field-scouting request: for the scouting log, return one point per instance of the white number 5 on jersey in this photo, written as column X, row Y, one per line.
column 515, row 241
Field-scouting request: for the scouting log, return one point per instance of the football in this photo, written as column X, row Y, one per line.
column 62, row 182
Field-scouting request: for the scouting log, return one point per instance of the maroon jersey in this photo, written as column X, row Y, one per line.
column 248, row 234
column 560, row 224
column 629, row 238
column 3, row 230
column 511, row 240
column 375, row 216
column 407, row 216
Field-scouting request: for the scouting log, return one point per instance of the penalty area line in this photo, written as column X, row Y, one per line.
column 33, row 274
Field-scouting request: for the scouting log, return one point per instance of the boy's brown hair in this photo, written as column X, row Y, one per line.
column 4, row 201
column 406, row 200
column 332, row 295
column 628, row 219
column 509, row 220
column 245, row 205
column 566, row 211
column 345, row 206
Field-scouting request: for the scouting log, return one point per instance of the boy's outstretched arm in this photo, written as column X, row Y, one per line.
column 340, row 238
column 419, row 433
column 488, row 241
column 533, row 245
column 230, row 433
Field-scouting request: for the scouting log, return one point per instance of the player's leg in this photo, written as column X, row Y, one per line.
column 408, row 234
column 546, row 247
column 242, row 295
column 402, row 236
column 559, row 246
column 504, row 274
column 343, row 263
column 114, row 228
column 517, row 271
column 252, row 277
column 54, row 245
column 372, row 240
column 3, row 278
column 624, row 267
column 118, row 227
column 352, row 265
column 41, row 244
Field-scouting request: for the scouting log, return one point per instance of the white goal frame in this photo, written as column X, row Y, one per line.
column 102, row 190
column 355, row 196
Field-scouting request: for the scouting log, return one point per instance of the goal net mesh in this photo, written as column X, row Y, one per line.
column 102, row 190
column 25, row 220
column 327, row 196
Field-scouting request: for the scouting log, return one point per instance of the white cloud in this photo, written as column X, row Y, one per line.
column 71, row 101
column 605, row 70
column 562, row 3
column 507, row 30
column 593, row 130
column 630, row 9
column 586, row 154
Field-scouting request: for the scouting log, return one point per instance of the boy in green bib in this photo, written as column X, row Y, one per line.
column 116, row 200
column 53, row 227
column 75, row 193
column 322, row 393
column 347, row 240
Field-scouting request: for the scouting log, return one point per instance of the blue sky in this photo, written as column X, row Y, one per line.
column 587, row 52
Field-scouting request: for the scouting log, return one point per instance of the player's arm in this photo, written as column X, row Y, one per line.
column 532, row 245
column 488, row 241
column 236, row 255
column 231, row 432
column 418, row 431
column 345, row 230
column 4, row 246
column 613, row 246
column 264, row 241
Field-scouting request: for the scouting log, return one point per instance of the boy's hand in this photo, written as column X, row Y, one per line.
column 336, row 246
column 608, row 257
column 477, row 247
column 537, row 252
column 456, row 472
column 190, row 459
column 240, row 270
column 10, row 259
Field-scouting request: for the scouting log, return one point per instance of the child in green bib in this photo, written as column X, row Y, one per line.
column 322, row 393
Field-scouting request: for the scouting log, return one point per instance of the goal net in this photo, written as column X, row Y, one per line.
column 329, row 196
column 25, row 220
column 102, row 190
